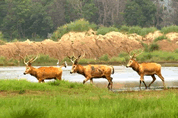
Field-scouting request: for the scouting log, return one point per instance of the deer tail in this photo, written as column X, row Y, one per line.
column 112, row 69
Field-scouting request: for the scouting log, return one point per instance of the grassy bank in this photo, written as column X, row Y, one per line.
column 122, row 58
column 20, row 99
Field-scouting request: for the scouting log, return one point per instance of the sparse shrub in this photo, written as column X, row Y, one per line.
column 123, row 54
column 104, row 58
column 135, row 29
column 146, row 56
column 22, row 91
column 176, row 50
column 160, row 38
column 145, row 31
column 77, row 25
column 118, row 59
column 104, row 30
column 146, row 47
column 124, row 28
column 2, row 42
column 45, row 59
column 15, row 40
column 170, row 58
column 82, row 61
column 153, row 47
column 169, row 29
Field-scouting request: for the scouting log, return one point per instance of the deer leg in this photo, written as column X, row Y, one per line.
column 162, row 78
column 142, row 80
column 59, row 77
column 110, row 82
column 154, row 78
column 86, row 80
column 40, row 80
column 43, row 81
column 91, row 81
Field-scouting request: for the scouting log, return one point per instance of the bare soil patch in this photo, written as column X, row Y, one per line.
column 93, row 45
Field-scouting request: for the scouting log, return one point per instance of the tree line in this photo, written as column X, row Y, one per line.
column 23, row 19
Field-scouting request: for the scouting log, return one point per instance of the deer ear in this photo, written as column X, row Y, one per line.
column 76, row 61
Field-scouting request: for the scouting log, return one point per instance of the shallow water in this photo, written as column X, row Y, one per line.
column 122, row 78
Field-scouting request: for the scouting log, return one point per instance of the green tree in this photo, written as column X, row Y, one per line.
column 76, row 9
column 26, row 19
column 140, row 12
column 3, row 11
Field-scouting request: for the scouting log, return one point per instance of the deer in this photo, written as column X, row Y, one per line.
column 146, row 68
column 43, row 73
column 92, row 71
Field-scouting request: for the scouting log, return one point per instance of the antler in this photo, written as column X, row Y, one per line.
column 71, row 58
column 30, row 61
column 26, row 63
column 137, row 54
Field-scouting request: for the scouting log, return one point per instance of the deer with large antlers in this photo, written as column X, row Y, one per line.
column 92, row 71
column 43, row 73
column 149, row 69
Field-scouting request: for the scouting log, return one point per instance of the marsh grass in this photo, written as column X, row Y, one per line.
column 64, row 99
column 151, row 53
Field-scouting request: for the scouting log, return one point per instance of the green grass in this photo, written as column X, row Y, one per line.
column 59, row 100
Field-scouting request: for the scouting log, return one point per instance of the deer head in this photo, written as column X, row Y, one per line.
column 132, row 59
column 28, row 64
column 74, row 61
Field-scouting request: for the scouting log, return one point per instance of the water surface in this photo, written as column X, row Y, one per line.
column 122, row 78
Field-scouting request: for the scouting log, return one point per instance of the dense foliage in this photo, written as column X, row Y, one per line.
column 36, row 19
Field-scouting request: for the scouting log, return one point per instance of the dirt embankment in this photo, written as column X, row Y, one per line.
column 93, row 45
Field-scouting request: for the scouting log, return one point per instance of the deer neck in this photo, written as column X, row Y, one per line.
column 135, row 66
column 33, row 71
column 80, row 70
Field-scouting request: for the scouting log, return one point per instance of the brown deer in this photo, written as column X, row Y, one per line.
column 149, row 69
column 92, row 71
column 43, row 73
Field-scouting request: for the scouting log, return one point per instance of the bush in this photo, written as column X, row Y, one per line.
column 146, row 47
column 104, row 58
column 135, row 29
column 176, row 51
column 124, row 28
column 153, row 47
column 118, row 59
column 160, row 38
column 145, row 31
column 104, row 30
column 169, row 29
column 78, row 26
column 138, row 30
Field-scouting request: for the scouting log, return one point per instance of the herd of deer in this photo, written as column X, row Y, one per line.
column 94, row 71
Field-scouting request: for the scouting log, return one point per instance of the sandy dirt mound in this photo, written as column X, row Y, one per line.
column 173, row 36
column 167, row 45
column 93, row 45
